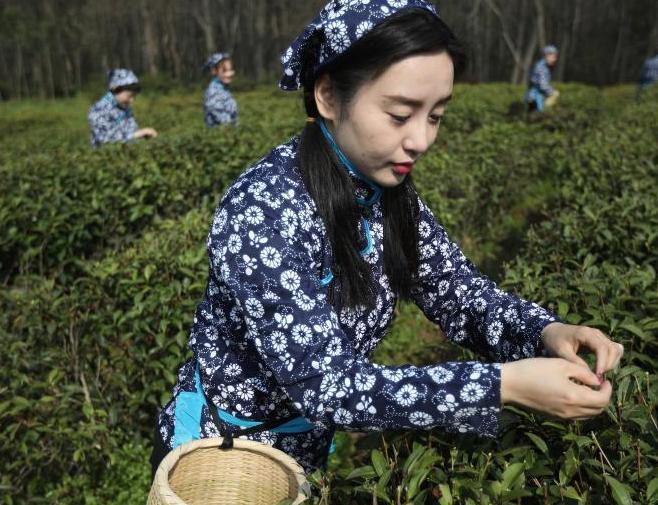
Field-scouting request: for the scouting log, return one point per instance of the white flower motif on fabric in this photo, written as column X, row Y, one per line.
column 233, row 369
column 256, row 240
column 406, row 395
column 255, row 308
column 335, row 347
column 302, row 334
column 394, row 375
column 290, row 280
column 244, row 391
column 364, row 382
column 449, row 404
column 472, row 392
column 421, row 419
column 254, row 215
column 278, row 341
column 304, row 301
column 440, row 375
column 366, row 405
column 288, row 444
column 288, row 361
column 249, row 264
column 234, row 244
column 325, row 328
column 337, row 34
column 342, row 416
column 363, row 28
column 270, row 257
column 283, row 320
column 494, row 331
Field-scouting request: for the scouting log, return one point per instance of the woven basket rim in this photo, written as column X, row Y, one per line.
column 161, row 479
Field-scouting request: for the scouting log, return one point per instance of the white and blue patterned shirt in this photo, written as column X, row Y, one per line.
column 219, row 106
column 649, row 74
column 540, row 78
column 109, row 122
column 269, row 342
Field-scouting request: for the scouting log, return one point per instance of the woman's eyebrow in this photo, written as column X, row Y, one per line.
column 412, row 102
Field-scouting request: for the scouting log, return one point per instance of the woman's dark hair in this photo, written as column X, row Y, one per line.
column 128, row 87
column 407, row 33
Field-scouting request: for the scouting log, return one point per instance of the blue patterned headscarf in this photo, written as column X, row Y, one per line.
column 550, row 50
column 215, row 59
column 120, row 77
column 341, row 23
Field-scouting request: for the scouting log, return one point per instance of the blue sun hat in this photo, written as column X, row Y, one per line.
column 550, row 50
column 118, row 77
column 340, row 23
column 215, row 59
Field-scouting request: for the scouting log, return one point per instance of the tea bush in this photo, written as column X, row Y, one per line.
column 100, row 292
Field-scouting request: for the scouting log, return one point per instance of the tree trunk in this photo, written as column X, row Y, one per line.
column 541, row 23
column 150, row 42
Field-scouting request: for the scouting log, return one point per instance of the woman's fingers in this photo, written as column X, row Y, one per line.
column 584, row 402
column 608, row 353
column 616, row 355
column 610, row 358
column 570, row 355
column 555, row 386
column 583, row 374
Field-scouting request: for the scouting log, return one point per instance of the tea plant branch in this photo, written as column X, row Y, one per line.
column 603, row 453
column 644, row 401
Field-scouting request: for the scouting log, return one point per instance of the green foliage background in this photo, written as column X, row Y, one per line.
column 102, row 262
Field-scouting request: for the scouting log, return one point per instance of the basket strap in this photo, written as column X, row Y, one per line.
column 227, row 443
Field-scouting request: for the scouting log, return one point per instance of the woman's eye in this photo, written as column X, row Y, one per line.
column 399, row 119
column 435, row 119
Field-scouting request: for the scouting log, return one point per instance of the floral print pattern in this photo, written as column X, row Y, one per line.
column 268, row 342
column 539, row 80
column 219, row 106
column 342, row 22
column 109, row 122
column 649, row 73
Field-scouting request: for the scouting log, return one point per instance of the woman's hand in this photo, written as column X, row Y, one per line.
column 547, row 385
column 566, row 340
column 145, row 133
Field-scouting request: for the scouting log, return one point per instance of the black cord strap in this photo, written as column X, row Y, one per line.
column 227, row 442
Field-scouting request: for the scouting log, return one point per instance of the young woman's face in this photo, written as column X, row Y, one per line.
column 551, row 59
column 394, row 119
column 224, row 71
column 125, row 98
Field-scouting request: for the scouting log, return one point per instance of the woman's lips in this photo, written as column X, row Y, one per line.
column 403, row 168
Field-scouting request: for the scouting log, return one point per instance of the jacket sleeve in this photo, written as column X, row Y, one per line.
column 219, row 107
column 544, row 79
column 469, row 308
column 267, row 254
column 106, row 126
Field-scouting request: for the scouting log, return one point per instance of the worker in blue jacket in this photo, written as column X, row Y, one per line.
column 111, row 118
column 219, row 106
column 312, row 247
column 541, row 94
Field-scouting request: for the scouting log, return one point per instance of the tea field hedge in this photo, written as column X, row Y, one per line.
column 103, row 262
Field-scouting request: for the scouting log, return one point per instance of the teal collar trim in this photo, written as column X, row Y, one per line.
column 376, row 189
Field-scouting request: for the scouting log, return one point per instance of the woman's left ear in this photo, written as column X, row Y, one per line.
column 325, row 99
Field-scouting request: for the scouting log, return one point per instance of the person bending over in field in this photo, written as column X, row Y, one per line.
column 541, row 94
column 111, row 118
column 219, row 106
column 312, row 247
column 649, row 75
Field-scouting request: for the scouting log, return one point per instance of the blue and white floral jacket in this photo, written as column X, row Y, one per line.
column 268, row 342
column 219, row 106
column 540, row 79
column 110, row 123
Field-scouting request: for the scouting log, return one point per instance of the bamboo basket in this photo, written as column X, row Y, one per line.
column 251, row 473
